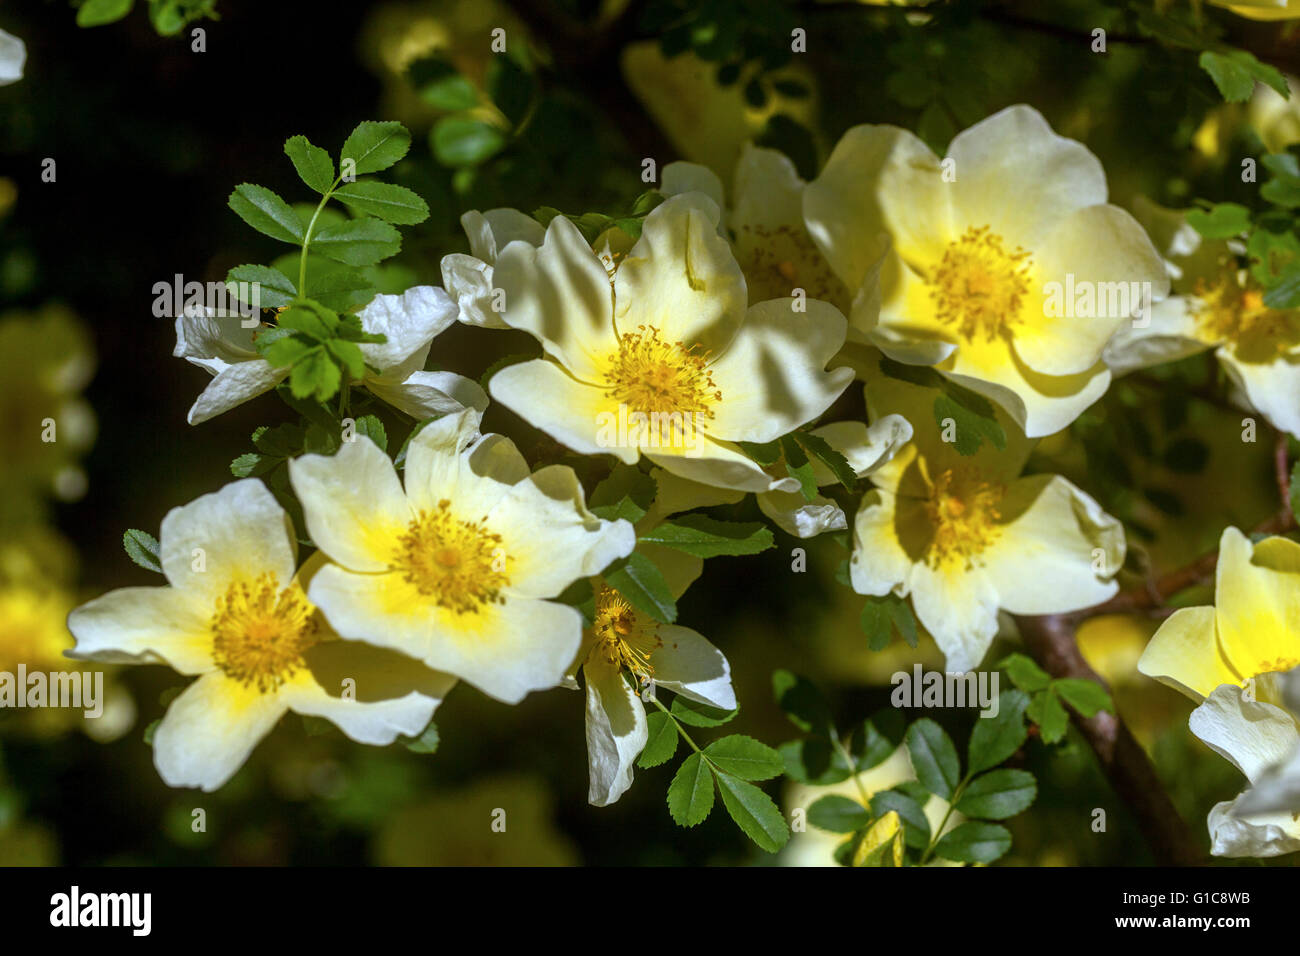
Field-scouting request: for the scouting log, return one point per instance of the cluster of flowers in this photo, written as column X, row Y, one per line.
column 729, row 313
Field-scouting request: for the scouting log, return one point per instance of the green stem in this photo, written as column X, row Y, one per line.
column 306, row 238
column 680, row 729
column 848, row 761
column 952, row 805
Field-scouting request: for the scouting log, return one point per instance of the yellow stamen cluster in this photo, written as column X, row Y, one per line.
column 460, row 564
column 1233, row 311
column 652, row 376
column 625, row 638
column 963, row 512
column 979, row 285
column 260, row 632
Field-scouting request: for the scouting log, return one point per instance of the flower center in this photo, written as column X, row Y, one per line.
column 459, row 563
column 1235, row 312
column 260, row 632
column 778, row 259
column 625, row 638
column 978, row 286
column 964, row 513
column 652, row 376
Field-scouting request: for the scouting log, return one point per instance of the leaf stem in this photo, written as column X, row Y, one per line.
column 938, row 832
column 306, row 237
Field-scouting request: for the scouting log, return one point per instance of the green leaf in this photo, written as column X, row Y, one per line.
column 745, row 757
column 626, row 493
column 838, row 814
column 882, row 844
column 661, row 740
column 1086, row 696
column 464, row 141
column 916, row 825
column 974, row 842
column 142, row 548
column 358, row 242
column 315, row 375
column 266, row 212
column 799, row 467
column 348, row 357
column 819, row 448
column 706, row 537
column 869, row 747
column 511, row 88
column 815, row 761
column 641, row 582
column 1224, row 220
column 373, row 146
column 391, row 203
column 315, row 168
column 441, row 86
column 767, row 453
column 700, row 715
column 251, row 464
column 426, row 743
column 1235, row 73
column 998, row 794
column 994, row 739
column 371, row 427
column 274, row 289
column 754, row 812
column 288, row 350
column 96, row 13
column 309, row 318
column 690, row 795
column 881, row 615
column 970, row 422
column 801, row 702
column 933, row 757
column 1024, row 673
column 1046, row 711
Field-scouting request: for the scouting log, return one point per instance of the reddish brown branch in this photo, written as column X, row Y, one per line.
column 1050, row 640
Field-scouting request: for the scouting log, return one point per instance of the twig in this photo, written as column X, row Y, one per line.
column 1282, row 469
column 1050, row 639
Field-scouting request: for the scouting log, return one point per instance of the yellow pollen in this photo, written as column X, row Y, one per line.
column 458, row 563
column 1234, row 312
column 964, row 514
column 651, row 376
column 627, row 640
column 978, row 286
column 260, row 632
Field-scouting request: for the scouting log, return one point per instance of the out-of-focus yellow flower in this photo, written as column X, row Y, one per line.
column 33, row 628
column 708, row 123
column 500, row 821
column 45, row 361
column 1220, row 306
column 1262, row 9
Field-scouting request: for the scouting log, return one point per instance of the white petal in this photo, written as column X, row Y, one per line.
column 960, row 610
column 616, row 732
column 879, row 564
column 560, row 293
column 233, row 386
column 1251, row 735
column 689, row 665
column 144, row 626
column 1258, row 836
column 795, row 515
column 210, row 729
column 470, row 282
column 410, row 321
column 1271, row 387
column 394, row 695
column 13, row 55
column 424, row 395
column 772, row 377
column 1169, row 336
column 234, row 534
column 353, row 504
column 1044, row 559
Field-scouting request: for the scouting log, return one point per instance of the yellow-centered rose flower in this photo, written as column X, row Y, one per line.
column 1218, row 305
column 664, row 357
column 965, row 536
column 1002, row 264
column 624, row 651
column 235, row 616
column 1213, row 655
column 457, row 568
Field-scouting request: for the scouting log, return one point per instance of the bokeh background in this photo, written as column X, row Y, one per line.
column 148, row 139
